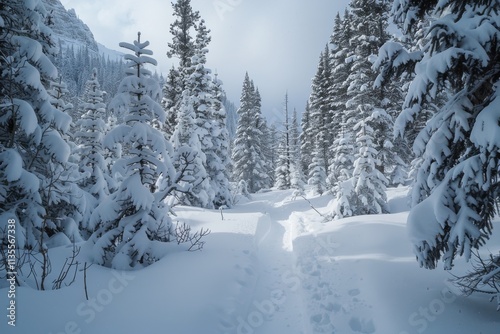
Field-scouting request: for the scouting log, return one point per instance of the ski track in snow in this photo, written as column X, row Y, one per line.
column 295, row 283
column 271, row 297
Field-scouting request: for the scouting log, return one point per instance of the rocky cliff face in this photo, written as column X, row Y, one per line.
column 68, row 28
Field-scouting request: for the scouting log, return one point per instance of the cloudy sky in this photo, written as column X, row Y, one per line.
column 277, row 41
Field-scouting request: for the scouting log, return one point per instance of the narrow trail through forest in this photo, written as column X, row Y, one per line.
column 295, row 286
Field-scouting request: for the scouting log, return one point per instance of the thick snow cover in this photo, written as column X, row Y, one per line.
column 270, row 265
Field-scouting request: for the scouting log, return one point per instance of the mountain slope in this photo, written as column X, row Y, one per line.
column 68, row 29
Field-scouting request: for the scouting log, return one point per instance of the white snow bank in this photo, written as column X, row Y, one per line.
column 270, row 266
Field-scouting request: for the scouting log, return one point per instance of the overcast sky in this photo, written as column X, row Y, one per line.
column 277, row 41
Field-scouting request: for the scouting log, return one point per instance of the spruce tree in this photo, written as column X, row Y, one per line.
column 455, row 187
column 91, row 127
column 340, row 56
column 219, row 160
column 197, row 98
column 172, row 92
column 317, row 172
column 250, row 164
column 369, row 195
column 341, row 172
column 262, row 169
column 132, row 223
column 284, row 164
column 190, row 157
column 306, row 140
column 183, row 44
column 33, row 152
column 320, row 111
column 296, row 174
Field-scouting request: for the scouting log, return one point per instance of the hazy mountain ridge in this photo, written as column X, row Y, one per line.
column 69, row 30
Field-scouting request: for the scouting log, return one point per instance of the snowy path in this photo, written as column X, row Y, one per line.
column 276, row 298
column 296, row 287
column 270, row 266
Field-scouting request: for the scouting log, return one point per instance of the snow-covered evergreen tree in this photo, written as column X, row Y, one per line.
column 184, row 47
column 296, row 174
column 306, row 140
column 33, row 152
column 172, row 92
column 74, row 207
column 283, row 167
column 132, row 223
column 232, row 117
column 369, row 195
column 89, row 137
column 248, row 157
column 455, row 191
column 317, row 172
column 219, row 160
column 341, row 55
column 320, row 117
column 197, row 98
column 190, row 157
column 284, row 163
column 288, row 172
column 341, row 166
column 341, row 172
column 183, row 44
column 270, row 142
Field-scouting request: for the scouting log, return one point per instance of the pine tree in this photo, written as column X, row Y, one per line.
column 171, row 97
column 262, row 169
column 250, row 164
column 134, row 221
column 343, row 153
column 317, row 172
column 369, row 22
column 320, row 111
column 284, row 164
column 306, row 140
column 369, row 183
column 340, row 61
column 190, row 157
column 296, row 174
column 455, row 187
column 341, row 172
column 197, row 97
column 183, row 45
column 92, row 166
column 33, row 153
column 73, row 206
column 282, row 172
column 365, row 105
column 270, row 142
column 219, row 161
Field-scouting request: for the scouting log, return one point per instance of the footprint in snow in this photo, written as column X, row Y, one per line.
column 354, row 292
column 249, row 271
column 364, row 326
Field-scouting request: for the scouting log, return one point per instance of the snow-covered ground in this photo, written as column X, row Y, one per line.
column 271, row 266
